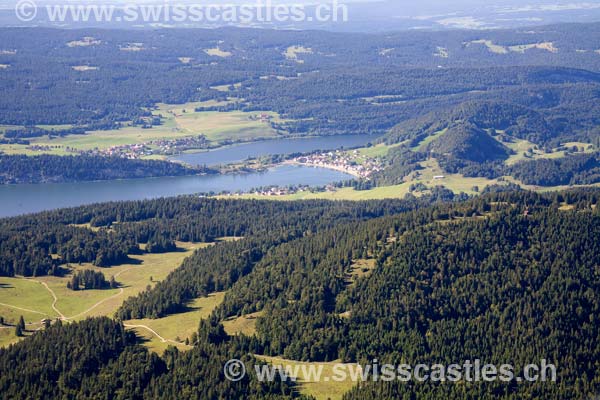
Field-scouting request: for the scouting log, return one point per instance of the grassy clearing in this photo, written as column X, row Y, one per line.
column 321, row 390
column 226, row 88
column 520, row 147
column 84, row 68
column 134, row 278
column 384, row 192
column 293, row 52
column 178, row 327
column 361, row 269
column 97, row 140
column 178, row 121
column 17, row 296
column 165, row 109
column 235, row 125
column 425, row 142
column 384, row 100
column 56, row 128
column 246, row 324
column 217, row 52
column 4, row 128
column 527, row 151
column 7, row 336
column 521, row 48
column 36, row 300
column 27, row 294
column 229, row 238
column 491, row 46
column 150, row 341
column 377, row 151
column 431, row 173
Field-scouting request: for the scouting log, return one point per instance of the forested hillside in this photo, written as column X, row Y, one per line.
column 476, row 139
column 488, row 89
column 508, row 277
column 97, row 358
column 328, row 82
column 53, row 169
column 39, row 244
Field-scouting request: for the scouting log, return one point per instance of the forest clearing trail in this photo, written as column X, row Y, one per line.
column 55, row 300
column 22, row 309
column 96, row 305
column 162, row 339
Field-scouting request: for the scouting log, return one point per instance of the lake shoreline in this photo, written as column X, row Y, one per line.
column 32, row 198
column 326, row 166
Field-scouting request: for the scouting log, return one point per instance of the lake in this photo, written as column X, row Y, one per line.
column 241, row 152
column 23, row 199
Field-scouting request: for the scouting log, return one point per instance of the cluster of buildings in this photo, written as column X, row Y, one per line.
column 276, row 191
column 350, row 162
column 261, row 117
column 163, row 147
column 40, row 148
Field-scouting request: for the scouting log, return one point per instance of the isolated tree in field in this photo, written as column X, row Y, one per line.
column 20, row 327
column 21, row 322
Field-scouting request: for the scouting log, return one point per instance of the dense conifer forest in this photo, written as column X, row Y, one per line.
column 48, row 168
column 28, row 243
column 509, row 277
column 345, row 82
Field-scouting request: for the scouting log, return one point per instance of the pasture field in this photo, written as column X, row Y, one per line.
column 233, row 125
column 226, row 88
column 376, row 151
column 176, row 328
column 178, row 121
column 324, row 388
column 293, row 52
column 425, row 142
column 217, row 52
column 378, row 193
column 246, row 324
column 48, row 296
column 522, row 147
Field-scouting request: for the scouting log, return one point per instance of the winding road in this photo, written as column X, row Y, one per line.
column 55, row 300
column 23, row 309
column 65, row 318
column 162, row 339
column 96, row 305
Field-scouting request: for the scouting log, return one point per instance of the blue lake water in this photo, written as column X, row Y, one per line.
column 23, row 199
column 241, row 152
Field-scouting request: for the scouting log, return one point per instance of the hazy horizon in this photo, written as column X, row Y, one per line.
column 363, row 15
